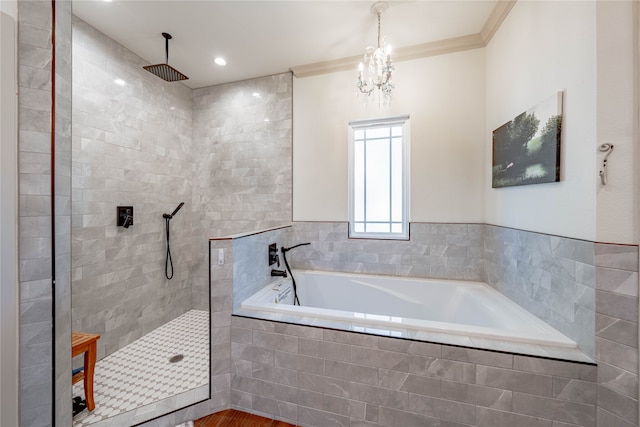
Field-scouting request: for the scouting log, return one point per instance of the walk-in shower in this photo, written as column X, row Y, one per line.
column 131, row 148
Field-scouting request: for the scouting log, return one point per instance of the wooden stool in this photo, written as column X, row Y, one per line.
column 85, row 343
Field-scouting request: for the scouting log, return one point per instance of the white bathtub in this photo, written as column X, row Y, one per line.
column 436, row 305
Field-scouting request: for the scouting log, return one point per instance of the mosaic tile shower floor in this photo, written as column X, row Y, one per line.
column 139, row 374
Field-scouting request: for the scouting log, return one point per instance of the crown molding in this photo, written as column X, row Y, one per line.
column 439, row 47
column 498, row 15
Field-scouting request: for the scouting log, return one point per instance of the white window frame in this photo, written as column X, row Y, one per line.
column 373, row 123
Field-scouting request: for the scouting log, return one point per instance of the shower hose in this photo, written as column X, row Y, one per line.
column 168, row 263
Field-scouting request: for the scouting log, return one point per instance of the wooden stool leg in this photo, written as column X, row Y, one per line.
column 89, row 365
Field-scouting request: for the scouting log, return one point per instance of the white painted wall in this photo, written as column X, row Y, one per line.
column 585, row 49
column 444, row 96
column 540, row 49
column 616, row 214
column 8, row 220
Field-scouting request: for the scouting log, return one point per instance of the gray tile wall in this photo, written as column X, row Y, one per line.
column 617, row 334
column 251, row 270
column 552, row 277
column 35, row 56
column 318, row 377
column 131, row 146
column 448, row 251
column 242, row 140
column 62, row 214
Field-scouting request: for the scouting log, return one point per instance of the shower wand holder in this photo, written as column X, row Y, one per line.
column 125, row 216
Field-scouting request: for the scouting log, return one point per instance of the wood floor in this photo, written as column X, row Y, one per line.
column 233, row 418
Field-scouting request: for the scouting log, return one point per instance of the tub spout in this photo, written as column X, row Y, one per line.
column 280, row 273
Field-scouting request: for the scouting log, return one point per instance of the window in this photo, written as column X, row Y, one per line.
column 378, row 178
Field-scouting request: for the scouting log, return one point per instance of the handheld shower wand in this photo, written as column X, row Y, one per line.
column 168, row 261
column 171, row 215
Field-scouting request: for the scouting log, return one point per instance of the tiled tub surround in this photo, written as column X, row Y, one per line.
column 322, row 377
column 617, row 334
column 553, row 277
column 261, row 382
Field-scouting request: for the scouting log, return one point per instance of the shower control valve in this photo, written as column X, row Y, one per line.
column 273, row 254
column 125, row 216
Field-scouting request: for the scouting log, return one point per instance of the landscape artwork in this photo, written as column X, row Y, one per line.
column 526, row 150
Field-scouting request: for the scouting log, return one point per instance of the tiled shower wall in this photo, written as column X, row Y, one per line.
column 242, row 140
column 131, row 147
column 225, row 151
column 241, row 162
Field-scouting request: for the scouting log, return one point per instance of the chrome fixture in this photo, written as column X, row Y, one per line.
column 605, row 148
column 374, row 74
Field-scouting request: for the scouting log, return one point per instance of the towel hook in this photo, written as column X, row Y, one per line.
column 605, row 148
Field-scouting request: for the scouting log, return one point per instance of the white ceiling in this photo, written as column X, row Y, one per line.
column 259, row 38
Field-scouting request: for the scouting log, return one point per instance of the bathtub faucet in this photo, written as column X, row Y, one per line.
column 285, row 250
column 280, row 273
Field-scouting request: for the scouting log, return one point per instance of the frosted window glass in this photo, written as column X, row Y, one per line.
column 378, row 179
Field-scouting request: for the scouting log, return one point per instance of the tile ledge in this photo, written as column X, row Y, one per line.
column 532, row 350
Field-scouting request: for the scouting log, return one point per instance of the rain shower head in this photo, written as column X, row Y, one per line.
column 165, row 71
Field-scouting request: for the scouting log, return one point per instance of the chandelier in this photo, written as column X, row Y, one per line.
column 374, row 74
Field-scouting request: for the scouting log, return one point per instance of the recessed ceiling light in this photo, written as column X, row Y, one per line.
column 107, row 1
column 220, row 61
column 120, row 82
column 256, row 95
